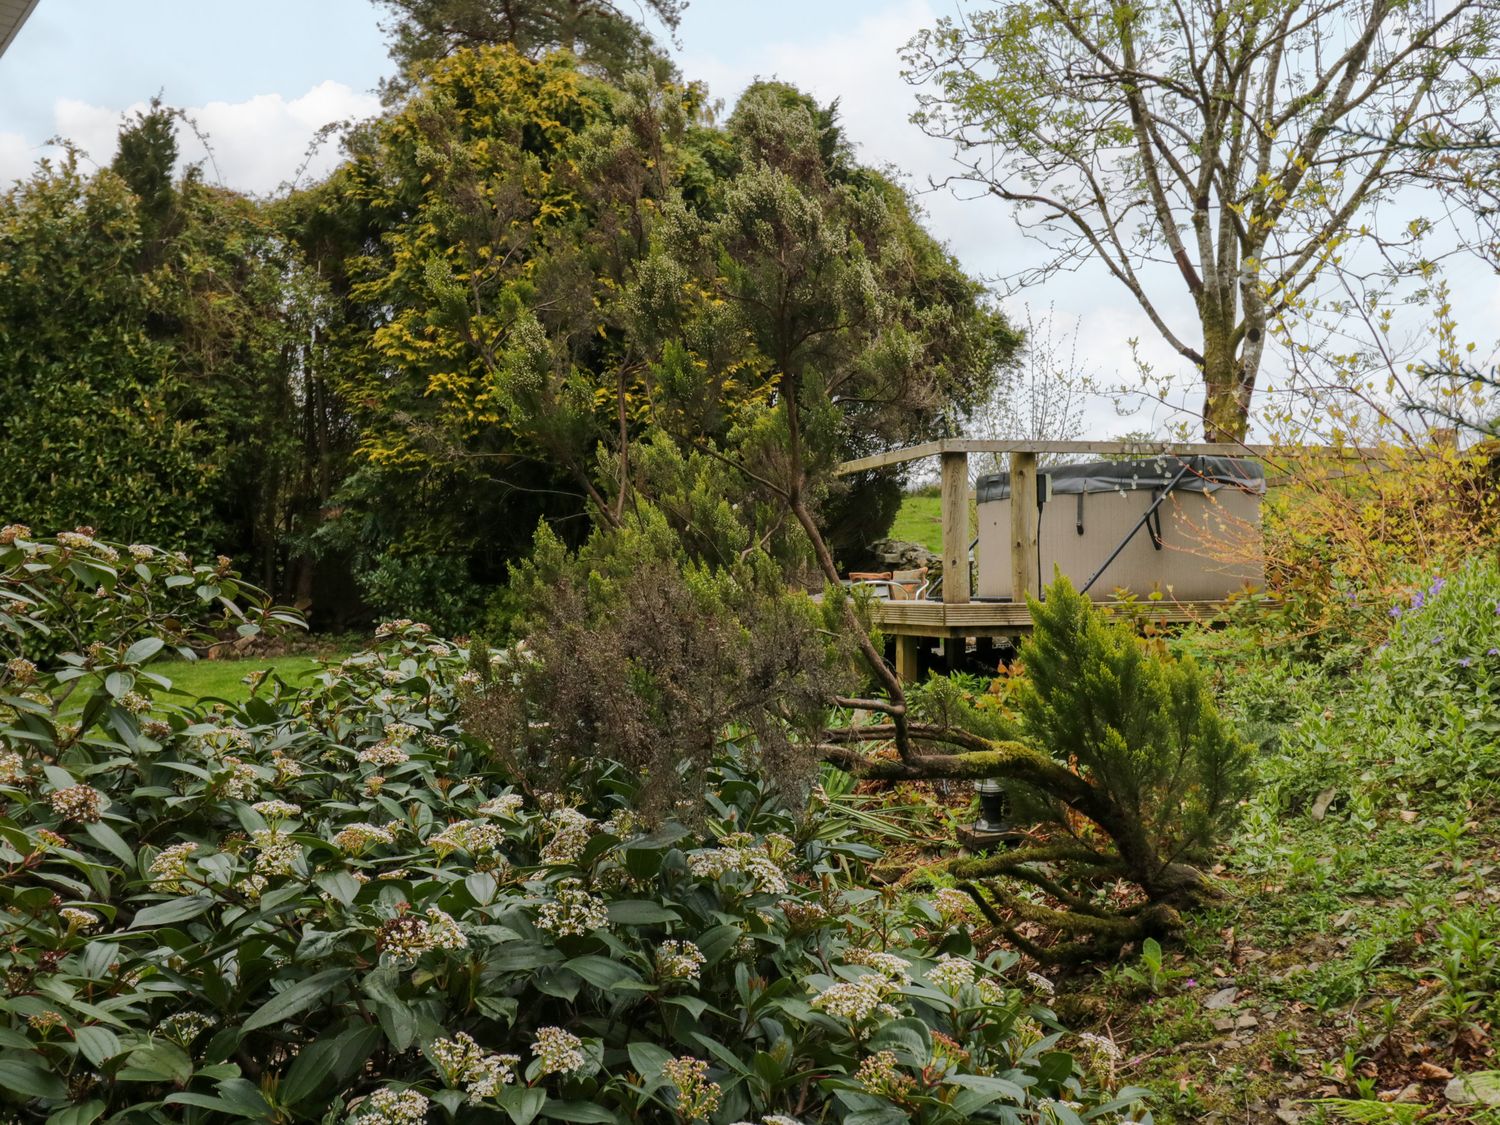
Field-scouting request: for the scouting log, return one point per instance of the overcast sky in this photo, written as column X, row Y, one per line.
column 260, row 79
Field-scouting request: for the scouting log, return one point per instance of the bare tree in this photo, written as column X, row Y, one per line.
column 1238, row 143
column 1042, row 397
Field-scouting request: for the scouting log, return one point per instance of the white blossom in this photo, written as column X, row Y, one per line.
column 573, row 911
column 560, row 1052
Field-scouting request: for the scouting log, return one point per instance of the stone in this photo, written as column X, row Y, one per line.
column 1246, row 1021
column 1482, row 1088
column 1221, row 999
column 898, row 554
column 1320, row 806
column 1224, row 1023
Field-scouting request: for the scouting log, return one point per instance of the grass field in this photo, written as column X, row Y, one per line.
column 224, row 679
column 920, row 520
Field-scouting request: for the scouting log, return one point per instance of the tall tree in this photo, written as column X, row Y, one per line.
column 1239, row 143
column 608, row 37
column 544, row 286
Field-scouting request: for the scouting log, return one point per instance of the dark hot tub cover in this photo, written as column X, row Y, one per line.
column 1204, row 474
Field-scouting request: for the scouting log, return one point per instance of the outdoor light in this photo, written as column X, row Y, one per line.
column 994, row 807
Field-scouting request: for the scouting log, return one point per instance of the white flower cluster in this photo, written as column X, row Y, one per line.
column 277, row 810
column 82, row 803
column 572, row 833
column 406, row 937
column 135, row 703
column 78, row 919
column 951, row 973
column 383, row 754
column 357, row 837
column 857, row 1000
column 401, row 625
column 739, row 854
column 286, row 768
column 392, row 1107
column 12, row 768
column 278, row 854
column 560, row 1052
column 953, row 905
column 1098, row 1045
column 75, row 540
column 472, row 836
column 139, row 552
column 572, row 911
column 170, row 868
column 506, row 805
column 679, row 960
column 888, row 965
column 186, row 1026
column 465, row 1063
column 13, row 531
column 881, row 1074
column 242, row 781
column 1041, row 984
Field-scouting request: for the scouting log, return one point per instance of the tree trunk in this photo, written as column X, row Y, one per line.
column 1226, row 397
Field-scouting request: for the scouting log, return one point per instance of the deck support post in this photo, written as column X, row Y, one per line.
column 1024, row 580
column 956, row 528
column 908, row 658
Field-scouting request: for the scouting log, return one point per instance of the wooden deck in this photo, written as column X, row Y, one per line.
column 1012, row 619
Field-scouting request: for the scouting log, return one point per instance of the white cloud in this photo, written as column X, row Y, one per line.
column 257, row 144
column 16, row 158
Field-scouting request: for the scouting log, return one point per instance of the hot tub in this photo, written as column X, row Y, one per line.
column 1200, row 544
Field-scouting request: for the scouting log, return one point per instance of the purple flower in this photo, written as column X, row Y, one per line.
column 1437, row 586
column 1437, row 640
column 1463, row 662
column 1396, row 611
column 1417, row 600
column 1493, row 652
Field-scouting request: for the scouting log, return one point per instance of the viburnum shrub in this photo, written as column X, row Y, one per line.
column 331, row 903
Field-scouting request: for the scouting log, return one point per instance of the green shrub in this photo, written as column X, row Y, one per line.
column 332, row 900
column 1419, row 717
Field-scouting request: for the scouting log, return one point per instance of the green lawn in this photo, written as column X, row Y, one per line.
column 224, row 679
column 920, row 520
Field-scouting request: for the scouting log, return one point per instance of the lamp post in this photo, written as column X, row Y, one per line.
column 994, row 808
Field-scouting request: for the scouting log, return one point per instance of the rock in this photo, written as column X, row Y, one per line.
column 1221, row 999
column 1288, row 1112
column 1224, row 1023
column 1320, row 806
column 897, row 554
column 1246, row 1021
column 1482, row 1088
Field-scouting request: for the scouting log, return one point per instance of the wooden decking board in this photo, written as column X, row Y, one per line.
column 1000, row 619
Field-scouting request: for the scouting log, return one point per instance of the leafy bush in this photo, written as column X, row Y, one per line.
column 1343, row 539
column 1117, row 747
column 334, row 900
column 1419, row 716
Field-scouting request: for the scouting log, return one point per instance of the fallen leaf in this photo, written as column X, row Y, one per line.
column 1429, row 1072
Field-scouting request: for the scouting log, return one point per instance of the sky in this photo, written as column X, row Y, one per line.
column 259, row 80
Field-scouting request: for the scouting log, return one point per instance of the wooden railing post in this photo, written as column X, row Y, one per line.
column 1024, row 580
column 956, row 528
